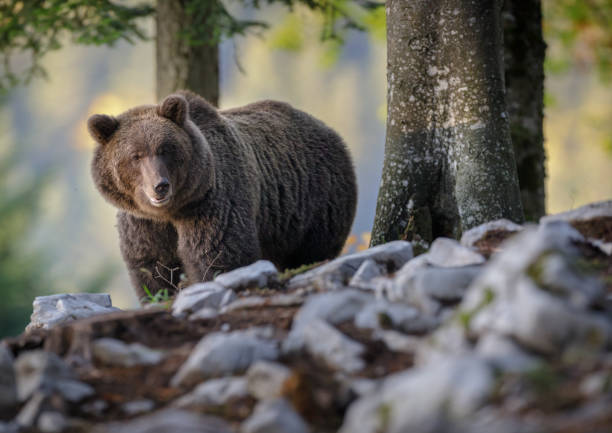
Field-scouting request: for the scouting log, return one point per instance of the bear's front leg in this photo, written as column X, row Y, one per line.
column 149, row 249
column 206, row 253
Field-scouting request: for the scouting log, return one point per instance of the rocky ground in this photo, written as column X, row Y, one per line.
column 509, row 330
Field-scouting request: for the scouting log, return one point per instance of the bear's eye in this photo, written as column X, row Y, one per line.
column 136, row 156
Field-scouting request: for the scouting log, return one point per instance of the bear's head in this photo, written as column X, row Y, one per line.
column 146, row 158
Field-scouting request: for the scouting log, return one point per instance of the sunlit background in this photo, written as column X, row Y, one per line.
column 344, row 86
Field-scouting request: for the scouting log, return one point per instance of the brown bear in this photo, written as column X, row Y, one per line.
column 202, row 191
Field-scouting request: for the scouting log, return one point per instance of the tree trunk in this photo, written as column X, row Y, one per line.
column 449, row 164
column 524, row 50
column 181, row 65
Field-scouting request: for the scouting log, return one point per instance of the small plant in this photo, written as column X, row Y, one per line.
column 465, row 317
column 161, row 297
column 287, row 274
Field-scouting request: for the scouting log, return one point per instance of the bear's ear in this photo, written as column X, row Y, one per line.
column 174, row 107
column 102, row 127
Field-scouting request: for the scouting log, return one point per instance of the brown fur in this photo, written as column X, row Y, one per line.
column 260, row 181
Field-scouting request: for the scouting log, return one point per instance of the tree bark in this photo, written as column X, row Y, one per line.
column 449, row 164
column 524, row 51
column 181, row 65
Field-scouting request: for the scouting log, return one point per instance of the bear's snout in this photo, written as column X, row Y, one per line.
column 157, row 186
column 162, row 188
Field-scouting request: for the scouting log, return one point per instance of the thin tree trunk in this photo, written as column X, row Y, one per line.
column 449, row 164
column 181, row 65
column 524, row 51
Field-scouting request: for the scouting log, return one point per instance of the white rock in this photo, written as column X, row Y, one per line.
column 326, row 343
column 427, row 287
column 540, row 321
column 204, row 314
column 73, row 390
column 504, row 354
column 473, row 235
column 398, row 342
column 95, row 408
column 248, row 302
column 274, row 416
column 38, row 370
column 447, row 342
column 336, row 273
column 214, row 392
column 361, row 386
column 548, row 318
column 201, row 295
column 52, row 422
column 556, row 274
column 110, row 351
column 505, row 268
column 8, row 387
column 447, row 252
column 595, row 383
column 54, row 310
column 29, row 413
column 9, row 427
column 365, row 274
column 257, row 275
column 419, row 399
column 265, row 379
column 584, row 213
column 137, row 407
column 224, row 353
column 332, row 307
column 167, row 421
column 396, row 315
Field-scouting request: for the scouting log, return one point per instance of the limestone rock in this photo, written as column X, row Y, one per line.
column 473, row 235
column 333, row 307
column 38, row 370
column 504, row 354
column 525, row 293
column 383, row 314
column 337, row 273
column 201, row 295
column 258, row 275
column 422, row 398
column 54, row 310
column 265, row 379
column 52, row 422
column 224, row 353
column 326, row 343
column 588, row 212
column 137, row 407
column 247, row 302
column 368, row 271
column 214, row 392
column 110, row 351
column 167, row 421
column 446, row 252
column 9, row 427
column 274, row 416
column 428, row 287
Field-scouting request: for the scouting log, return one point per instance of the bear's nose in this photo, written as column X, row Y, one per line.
column 162, row 187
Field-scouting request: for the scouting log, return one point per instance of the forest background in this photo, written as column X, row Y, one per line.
column 56, row 232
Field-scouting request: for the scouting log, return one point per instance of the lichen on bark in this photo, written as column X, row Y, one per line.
column 449, row 163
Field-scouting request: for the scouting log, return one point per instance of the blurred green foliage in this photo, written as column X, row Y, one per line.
column 584, row 30
column 25, row 268
column 29, row 29
column 22, row 272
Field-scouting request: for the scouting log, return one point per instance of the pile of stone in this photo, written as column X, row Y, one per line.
column 520, row 342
